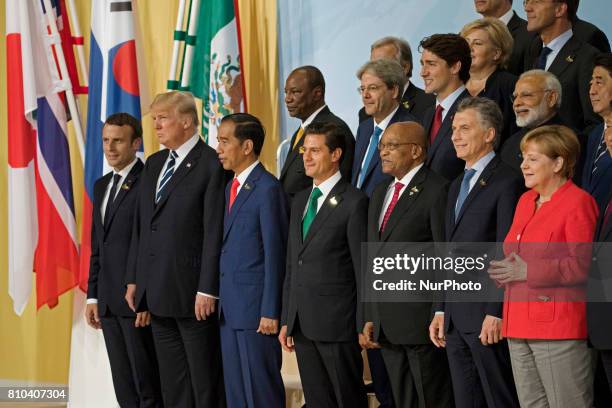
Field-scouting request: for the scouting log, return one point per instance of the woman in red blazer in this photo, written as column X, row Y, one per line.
column 545, row 271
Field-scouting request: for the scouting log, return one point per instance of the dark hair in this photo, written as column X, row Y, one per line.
column 125, row 119
column 572, row 8
column 604, row 60
column 247, row 126
column 334, row 137
column 452, row 48
column 314, row 76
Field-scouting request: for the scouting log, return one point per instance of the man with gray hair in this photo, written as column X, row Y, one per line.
column 381, row 87
column 414, row 99
column 537, row 98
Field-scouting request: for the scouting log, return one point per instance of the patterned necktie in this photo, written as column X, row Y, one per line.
column 601, row 152
column 436, row 125
column 298, row 137
column 233, row 194
column 543, row 58
column 372, row 148
column 111, row 195
column 464, row 191
column 394, row 200
column 167, row 175
column 311, row 211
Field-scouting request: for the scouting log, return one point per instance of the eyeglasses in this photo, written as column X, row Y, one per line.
column 370, row 88
column 537, row 2
column 528, row 95
column 392, row 146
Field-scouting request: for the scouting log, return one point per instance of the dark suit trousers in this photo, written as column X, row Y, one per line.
column 481, row 375
column 251, row 369
column 380, row 378
column 189, row 356
column 133, row 363
column 603, row 379
column 331, row 372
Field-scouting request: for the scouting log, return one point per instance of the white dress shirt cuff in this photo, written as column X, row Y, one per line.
column 439, row 313
column 207, row 295
column 92, row 301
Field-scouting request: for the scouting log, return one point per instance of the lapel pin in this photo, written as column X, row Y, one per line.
column 570, row 58
column 406, row 104
column 333, row 201
column 482, row 182
column 188, row 165
column 125, row 186
column 413, row 190
column 247, row 186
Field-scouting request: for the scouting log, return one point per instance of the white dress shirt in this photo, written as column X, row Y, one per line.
column 555, row 45
column 391, row 189
column 309, row 120
column 449, row 100
column 325, row 187
column 181, row 153
column 242, row 177
column 507, row 17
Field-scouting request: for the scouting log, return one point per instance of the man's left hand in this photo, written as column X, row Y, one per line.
column 268, row 326
column 204, row 306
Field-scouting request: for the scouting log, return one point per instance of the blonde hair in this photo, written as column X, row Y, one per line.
column 498, row 33
column 555, row 141
column 182, row 101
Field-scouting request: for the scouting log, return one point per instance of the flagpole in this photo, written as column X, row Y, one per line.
column 189, row 48
column 179, row 35
column 74, row 113
column 78, row 41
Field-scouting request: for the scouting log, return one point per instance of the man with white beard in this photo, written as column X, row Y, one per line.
column 536, row 101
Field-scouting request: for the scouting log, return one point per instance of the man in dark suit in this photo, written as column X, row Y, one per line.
column 252, row 267
column 597, row 172
column 414, row 99
column 480, row 208
column 319, row 317
column 173, row 269
column 409, row 209
column 305, row 100
column 445, row 67
column 127, row 334
column 559, row 51
column 537, row 98
column 381, row 84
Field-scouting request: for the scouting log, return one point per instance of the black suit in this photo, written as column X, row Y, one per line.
column 573, row 66
column 130, row 350
column 441, row 155
column 176, row 249
column 499, row 88
column 590, row 34
column 522, row 41
column 320, row 296
column 414, row 100
column 418, row 371
column 486, row 216
column 293, row 177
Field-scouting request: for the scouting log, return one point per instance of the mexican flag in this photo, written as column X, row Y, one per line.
column 216, row 74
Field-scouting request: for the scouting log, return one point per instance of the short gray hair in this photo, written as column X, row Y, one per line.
column 488, row 112
column 404, row 53
column 389, row 71
column 551, row 83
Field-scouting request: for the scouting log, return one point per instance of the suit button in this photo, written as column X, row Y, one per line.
column 105, row 243
column 518, row 237
column 223, row 251
column 299, row 262
column 594, row 258
column 153, row 229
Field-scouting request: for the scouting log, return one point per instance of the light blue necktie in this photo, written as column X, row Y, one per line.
column 372, row 148
column 167, row 175
column 464, row 190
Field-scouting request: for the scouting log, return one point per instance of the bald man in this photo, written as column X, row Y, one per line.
column 408, row 209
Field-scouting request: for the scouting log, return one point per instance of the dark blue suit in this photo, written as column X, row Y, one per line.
column 252, row 269
column 374, row 174
column 597, row 184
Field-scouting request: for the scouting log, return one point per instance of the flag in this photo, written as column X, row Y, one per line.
column 114, row 86
column 42, row 231
column 216, row 75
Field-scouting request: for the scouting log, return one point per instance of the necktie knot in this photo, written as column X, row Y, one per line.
column 116, row 178
column 316, row 193
column 173, row 154
column 398, row 187
column 543, row 58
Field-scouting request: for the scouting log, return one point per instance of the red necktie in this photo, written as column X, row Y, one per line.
column 394, row 199
column 437, row 123
column 233, row 193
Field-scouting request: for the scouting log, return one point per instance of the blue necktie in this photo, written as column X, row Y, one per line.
column 464, row 191
column 372, row 148
column 167, row 175
column 542, row 58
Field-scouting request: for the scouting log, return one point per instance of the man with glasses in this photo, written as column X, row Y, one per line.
column 410, row 208
column 559, row 51
column 536, row 102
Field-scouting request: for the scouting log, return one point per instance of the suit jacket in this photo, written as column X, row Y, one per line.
column 415, row 100
column 374, row 174
column 599, row 286
column 590, row 34
column 499, row 88
column 293, row 177
column 522, row 42
column 573, row 66
column 510, row 151
column 599, row 183
column 323, row 270
column 253, row 254
column 486, row 216
column 416, row 218
column 441, row 155
column 176, row 242
column 110, row 243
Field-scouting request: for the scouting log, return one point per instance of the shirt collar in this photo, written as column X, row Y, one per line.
column 557, row 43
column 408, row 176
column 450, row 99
column 126, row 170
column 385, row 122
column 311, row 117
column 483, row 162
column 186, row 147
column 507, row 17
column 328, row 184
column 246, row 172
column 406, row 86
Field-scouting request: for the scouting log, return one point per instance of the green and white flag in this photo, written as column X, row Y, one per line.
column 216, row 75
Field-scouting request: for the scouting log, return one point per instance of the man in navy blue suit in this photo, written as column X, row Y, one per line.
column 252, row 268
column 597, row 172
